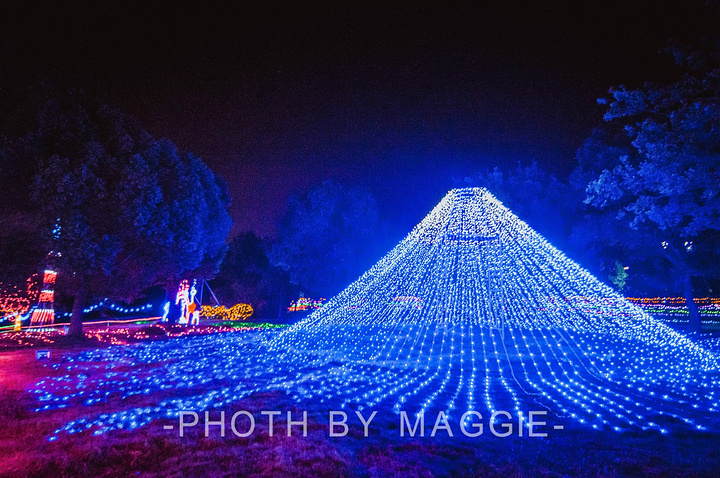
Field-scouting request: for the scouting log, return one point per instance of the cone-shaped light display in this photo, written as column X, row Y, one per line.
column 473, row 310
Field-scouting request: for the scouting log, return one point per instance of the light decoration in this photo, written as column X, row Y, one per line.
column 407, row 301
column 114, row 307
column 708, row 307
column 507, row 322
column 14, row 339
column 166, row 311
column 15, row 302
column 185, row 298
column 17, row 320
column 117, row 334
column 306, row 303
column 125, row 336
column 44, row 314
column 237, row 312
column 182, row 298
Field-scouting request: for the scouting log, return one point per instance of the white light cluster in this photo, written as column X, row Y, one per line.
column 473, row 310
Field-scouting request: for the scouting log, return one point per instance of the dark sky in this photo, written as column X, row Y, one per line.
column 398, row 99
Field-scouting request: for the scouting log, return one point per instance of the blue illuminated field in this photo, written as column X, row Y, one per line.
column 473, row 310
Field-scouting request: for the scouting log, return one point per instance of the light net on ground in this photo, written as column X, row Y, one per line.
column 473, row 310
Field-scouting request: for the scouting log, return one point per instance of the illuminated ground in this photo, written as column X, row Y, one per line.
column 473, row 311
column 153, row 451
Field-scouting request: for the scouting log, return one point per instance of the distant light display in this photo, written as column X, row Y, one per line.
column 44, row 313
column 182, row 298
column 306, row 303
column 473, row 310
column 677, row 307
column 237, row 312
column 114, row 333
column 15, row 302
column 114, row 307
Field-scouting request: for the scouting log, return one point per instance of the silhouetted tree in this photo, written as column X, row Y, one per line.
column 248, row 276
column 324, row 238
column 656, row 181
column 184, row 212
column 541, row 199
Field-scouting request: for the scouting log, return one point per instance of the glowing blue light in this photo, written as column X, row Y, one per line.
column 473, row 310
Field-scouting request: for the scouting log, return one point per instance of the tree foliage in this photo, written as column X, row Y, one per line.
column 323, row 239
column 131, row 211
column 656, row 171
column 536, row 196
column 248, row 276
column 183, row 214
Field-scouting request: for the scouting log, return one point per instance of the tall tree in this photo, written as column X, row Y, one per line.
column 323, row 239
column 659, row 179
column 184, row 216
column 127, row 219
column 21, row 240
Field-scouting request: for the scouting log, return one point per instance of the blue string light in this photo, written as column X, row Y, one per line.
column 473, row 310
column 113, row 307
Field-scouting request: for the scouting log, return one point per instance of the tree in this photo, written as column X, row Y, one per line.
column 130, row 211
column 660, row 173
column 323, row 239
column 618, row 276
column 247, row 276
column 184, row 216
column 548, row 204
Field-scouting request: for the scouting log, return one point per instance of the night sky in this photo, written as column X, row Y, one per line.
column 277, row 98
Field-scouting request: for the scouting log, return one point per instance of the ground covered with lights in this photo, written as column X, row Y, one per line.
column 151, row 450
column 472, row 315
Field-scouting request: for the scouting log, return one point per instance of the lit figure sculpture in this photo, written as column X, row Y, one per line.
column 195, row 319
column 186, row 299
column 472, row 311
column 166, row 311
column 183, row 299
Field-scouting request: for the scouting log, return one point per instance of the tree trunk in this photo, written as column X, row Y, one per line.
column 77, row 312
column 693, row 314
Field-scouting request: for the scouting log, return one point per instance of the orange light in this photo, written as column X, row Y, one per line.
column 49, row 277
